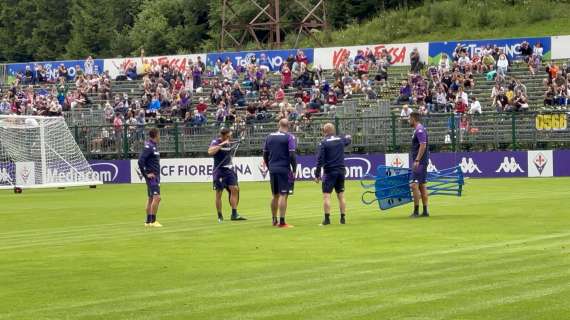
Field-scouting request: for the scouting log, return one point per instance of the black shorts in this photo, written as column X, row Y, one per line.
column 224, row 178
column 281, row 183
column 152, row 187
column 333, row 181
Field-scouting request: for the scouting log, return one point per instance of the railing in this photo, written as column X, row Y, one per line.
column 447, row 132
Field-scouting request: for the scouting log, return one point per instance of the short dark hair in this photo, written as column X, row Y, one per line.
column 224, row 131
column 153, row 133
column 416, row 116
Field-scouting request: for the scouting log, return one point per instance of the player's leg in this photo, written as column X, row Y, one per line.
column 219, row 193
column 424, row 194
column 148, row 211
column 342, row 207
column 234, row 198
column 154, row 208
column 283, row 190
column 327, row 188
column 274, row 209
column 339, row 189
column 417, row 195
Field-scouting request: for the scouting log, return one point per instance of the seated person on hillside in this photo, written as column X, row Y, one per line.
column 475, row 107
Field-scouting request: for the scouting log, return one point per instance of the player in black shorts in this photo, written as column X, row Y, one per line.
column 224, row 176
column 330, row 157
column 280, row 158
column 420, row 156
column 149, row 166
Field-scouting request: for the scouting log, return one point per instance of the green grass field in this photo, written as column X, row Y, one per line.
column 500, row 252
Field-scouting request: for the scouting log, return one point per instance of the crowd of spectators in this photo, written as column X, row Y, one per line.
column 557, row 85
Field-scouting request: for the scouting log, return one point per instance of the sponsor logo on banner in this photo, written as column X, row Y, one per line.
column 200, row 170
column 540, row 163
column 400, row 160
column 511, row 47
column 330, row 58
column 356, row 168
column 51, row 68
column 467, row 165
column 431, row 167
column 6, row 176
column 263, row 169
column 25, row 173
column 271, row 59
column 509, row 165
column 114, row 66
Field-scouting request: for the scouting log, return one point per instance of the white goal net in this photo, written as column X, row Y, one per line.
column 40, row 152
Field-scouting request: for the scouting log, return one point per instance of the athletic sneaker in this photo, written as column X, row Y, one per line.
column 425, row 215
column 342, row 220
column 238, row 218
column 146, row 224
column 414, row 215
column 284, row 225
column 156, row 224
column 325, row 222
column 275, row 223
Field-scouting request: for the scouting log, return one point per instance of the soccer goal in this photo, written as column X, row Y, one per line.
column 40, row 152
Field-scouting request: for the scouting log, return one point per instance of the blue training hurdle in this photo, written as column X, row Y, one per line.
column 392, row 185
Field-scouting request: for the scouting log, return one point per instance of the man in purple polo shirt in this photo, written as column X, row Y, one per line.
column 420, row 156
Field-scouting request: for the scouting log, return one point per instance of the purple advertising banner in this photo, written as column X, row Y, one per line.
column 357, row 166
column 112, row 171
column 562, row 163
column 498, row 164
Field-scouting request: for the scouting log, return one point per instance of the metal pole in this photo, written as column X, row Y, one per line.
column 176, row 140
column 393, row 132
column 514, row 130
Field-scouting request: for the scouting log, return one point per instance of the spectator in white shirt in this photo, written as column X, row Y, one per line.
column 475, row 106
column 502, row 65
column 406, row 112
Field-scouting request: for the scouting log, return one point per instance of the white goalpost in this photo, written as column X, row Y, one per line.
column 40, row 152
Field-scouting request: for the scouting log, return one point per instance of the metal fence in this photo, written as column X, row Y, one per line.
column 507, row 131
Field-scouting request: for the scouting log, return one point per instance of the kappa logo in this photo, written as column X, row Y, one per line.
column 5, row 176
column 469, row 166
column 540, row 162
column 509, row 166
column 431, row 167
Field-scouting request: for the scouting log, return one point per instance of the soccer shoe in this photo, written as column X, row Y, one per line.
column 238, row 218
column 342, row 220
column 156, row 224
column 284, row 225
column 414, row 215
column 220, row 219
column 325, row 222
column 146, row 224
column 275, row 223
column 425, row 215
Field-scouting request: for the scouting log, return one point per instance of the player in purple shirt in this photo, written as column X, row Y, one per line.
column 149, row 166
column 420, row 156
column 280, row 158
column 224, row 175
column 330, row 157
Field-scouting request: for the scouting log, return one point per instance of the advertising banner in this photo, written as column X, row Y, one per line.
column 273, row 59
column 112, row 171
column 330, row 58
column 51, row 68
column 25, row 173
column 115, row 66
column 540, row 163
column 561, row 163
column 500, row 164
column 560, row 47
column 511, row 47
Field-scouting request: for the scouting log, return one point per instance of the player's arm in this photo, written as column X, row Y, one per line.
column 422, row 139
column 147, row 151
column 320, row 161
column 215, row 147
column 292, row 153
column 265, row 153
